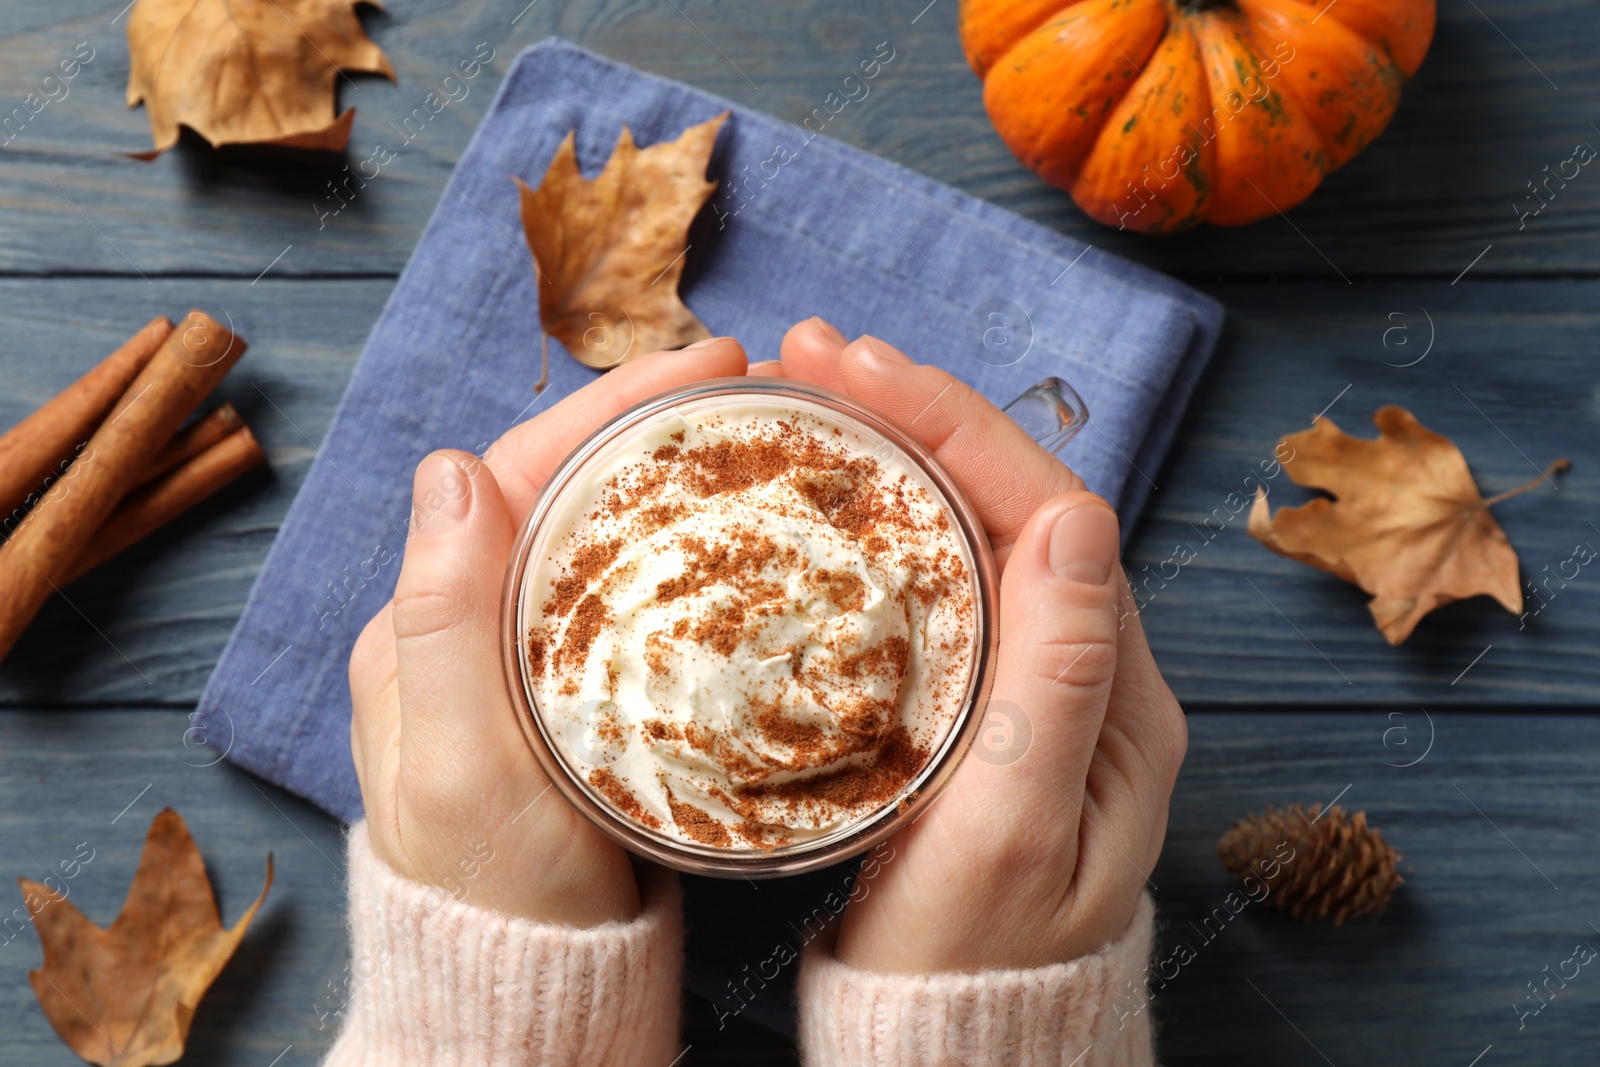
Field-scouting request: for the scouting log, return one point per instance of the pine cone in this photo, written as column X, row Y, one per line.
column 1331, row 866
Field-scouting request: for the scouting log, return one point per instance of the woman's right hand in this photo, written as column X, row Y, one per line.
column 1036, row 854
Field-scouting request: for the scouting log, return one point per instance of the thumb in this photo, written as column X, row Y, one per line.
column 1058, row 649
column 447, row 609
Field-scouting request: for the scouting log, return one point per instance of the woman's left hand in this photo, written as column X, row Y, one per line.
column 454, row 797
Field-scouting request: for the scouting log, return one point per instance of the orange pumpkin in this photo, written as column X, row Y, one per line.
column 1159, row 114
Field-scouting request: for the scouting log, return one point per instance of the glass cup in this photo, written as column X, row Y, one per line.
column 1050, row 411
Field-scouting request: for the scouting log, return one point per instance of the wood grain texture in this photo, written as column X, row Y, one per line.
column 1482, row 119
column 66, row 779
column 148, row 627
column 1502, row 803
column 1432, row 980
column 1510, row 377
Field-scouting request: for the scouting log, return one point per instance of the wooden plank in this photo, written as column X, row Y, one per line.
column 149, row 627
column 1509, row 378
column 1432, row 980
column 98, row 778
column 1480, row 121
column 1500, row 804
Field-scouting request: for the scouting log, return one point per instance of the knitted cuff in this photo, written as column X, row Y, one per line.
column 1086, row 1013
column 435, row 982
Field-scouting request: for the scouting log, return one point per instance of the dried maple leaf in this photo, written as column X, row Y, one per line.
column 610, row 252
column 247, row 71
column 125, row 995
column 1407, row 524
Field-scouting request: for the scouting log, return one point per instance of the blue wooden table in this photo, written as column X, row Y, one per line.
column 1408, row 278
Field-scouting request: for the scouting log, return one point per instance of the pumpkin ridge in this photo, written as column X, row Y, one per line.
column 1208, row 171
column 1051, row 118
column 1149, row 137
column 1364, row 103
column 1287, row 89
column 1266, row 145
column 981, row 32
column 1403, row 29
column 1138, row 65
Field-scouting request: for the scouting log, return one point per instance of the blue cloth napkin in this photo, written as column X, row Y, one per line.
column 801, row 226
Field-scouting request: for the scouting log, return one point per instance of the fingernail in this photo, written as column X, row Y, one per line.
column 442, row 496
column 707, row 341
column 1083, row 544
column 827, row 327
column 879, row 356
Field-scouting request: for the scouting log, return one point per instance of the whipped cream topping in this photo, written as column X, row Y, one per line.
column 751, row 626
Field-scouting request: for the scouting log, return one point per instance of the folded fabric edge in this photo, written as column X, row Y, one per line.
column 1170, row 412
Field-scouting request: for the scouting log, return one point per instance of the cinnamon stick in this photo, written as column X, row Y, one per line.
column 35, row 561
column 217, row 425
column 44, row 442
column 169, row 496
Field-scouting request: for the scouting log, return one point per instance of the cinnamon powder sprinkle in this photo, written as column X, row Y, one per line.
column 728, row 466
column 588, row 563
column 853, row 503
column 842, row 587
column 658, row 654
column 622, row 797
column 722, row 630
column 658, row 730
column 697, row 823
column 591, row 617
column 888, row 660
column 722, row 564
column 659, row 516
column 536, row 651
column 866, row 754
column 853, row 787
column 806, row 739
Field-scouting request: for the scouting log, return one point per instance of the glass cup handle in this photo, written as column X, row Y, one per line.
column 1052, row 412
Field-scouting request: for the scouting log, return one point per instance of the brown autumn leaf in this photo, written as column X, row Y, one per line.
column 247, row 71
column 126, row 994
column 610, row 252
column 1407, row 522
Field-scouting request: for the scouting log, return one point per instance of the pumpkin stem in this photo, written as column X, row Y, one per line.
column 1203, row 5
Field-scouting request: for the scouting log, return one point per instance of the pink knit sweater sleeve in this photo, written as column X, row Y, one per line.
column 436, row 982
column 1086, row 1013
